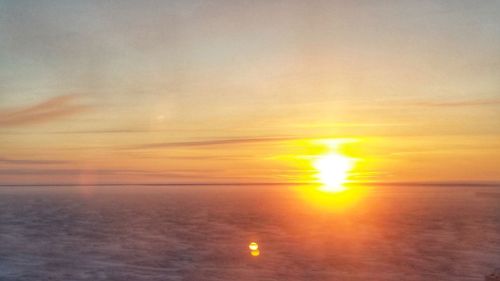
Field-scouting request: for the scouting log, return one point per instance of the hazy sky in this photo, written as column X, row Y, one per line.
column 237, row 91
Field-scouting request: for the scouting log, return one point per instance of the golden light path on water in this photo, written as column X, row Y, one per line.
column 332, row 191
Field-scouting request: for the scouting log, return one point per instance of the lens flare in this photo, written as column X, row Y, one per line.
column 255, row 253
column 253, row 246
column 254, row 249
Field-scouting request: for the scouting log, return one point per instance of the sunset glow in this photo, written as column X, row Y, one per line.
column 230, row 93
column 218, row 140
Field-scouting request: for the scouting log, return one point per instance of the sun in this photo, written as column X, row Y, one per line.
column 332, row 171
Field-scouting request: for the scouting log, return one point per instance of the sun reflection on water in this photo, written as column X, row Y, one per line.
column 332, row 201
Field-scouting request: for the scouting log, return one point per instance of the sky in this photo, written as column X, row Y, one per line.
column 96, row 92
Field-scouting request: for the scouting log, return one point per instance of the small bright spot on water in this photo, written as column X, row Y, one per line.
column 255, row 253
column 253, row 246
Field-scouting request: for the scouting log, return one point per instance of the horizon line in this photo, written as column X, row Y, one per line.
column 411, row 183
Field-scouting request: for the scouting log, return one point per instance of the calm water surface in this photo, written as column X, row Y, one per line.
column 202, row 233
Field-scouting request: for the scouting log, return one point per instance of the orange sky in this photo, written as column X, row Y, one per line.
column 225, row 91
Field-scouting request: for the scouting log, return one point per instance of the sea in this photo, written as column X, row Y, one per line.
column 203, row 232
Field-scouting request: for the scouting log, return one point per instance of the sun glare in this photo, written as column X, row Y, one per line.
column 332, row 171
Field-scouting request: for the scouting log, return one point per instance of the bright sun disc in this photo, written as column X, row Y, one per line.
column 333, row 169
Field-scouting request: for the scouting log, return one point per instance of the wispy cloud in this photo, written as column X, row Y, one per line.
column 216, row 142
column 102, row 131
column 73, row 172
column 51, row 109
column 32, row 161
column 459, row 103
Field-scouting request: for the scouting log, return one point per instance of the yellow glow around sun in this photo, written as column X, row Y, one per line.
column 332, row 171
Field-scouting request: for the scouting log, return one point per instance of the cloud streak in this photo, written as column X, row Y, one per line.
column 32, row 162
column 462, row 103
column 75, row 172
column 46, row 111
column 217, row 142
